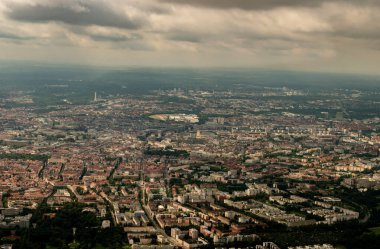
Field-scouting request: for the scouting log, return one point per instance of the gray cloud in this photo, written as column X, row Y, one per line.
column 74, row 12
column 260, row 4
column 10, row 36
column 196, row 32
column 113, row 38
column 109, row 36
column 357, row 34
column 185, row 36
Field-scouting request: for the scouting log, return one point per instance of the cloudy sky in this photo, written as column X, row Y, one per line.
column 316, row 35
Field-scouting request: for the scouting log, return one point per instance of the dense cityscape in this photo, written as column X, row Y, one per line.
column 186, row 124
column 189, row 166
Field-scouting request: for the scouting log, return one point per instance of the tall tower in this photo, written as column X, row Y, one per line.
column 198, row 135
column 95, row 97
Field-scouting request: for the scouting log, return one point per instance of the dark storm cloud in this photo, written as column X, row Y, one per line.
column 260, row 4
column 83, row 13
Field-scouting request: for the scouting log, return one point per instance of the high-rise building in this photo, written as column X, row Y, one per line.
column 198, row 135
column 95, row 97
column 175, row 232
column 193, row 233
